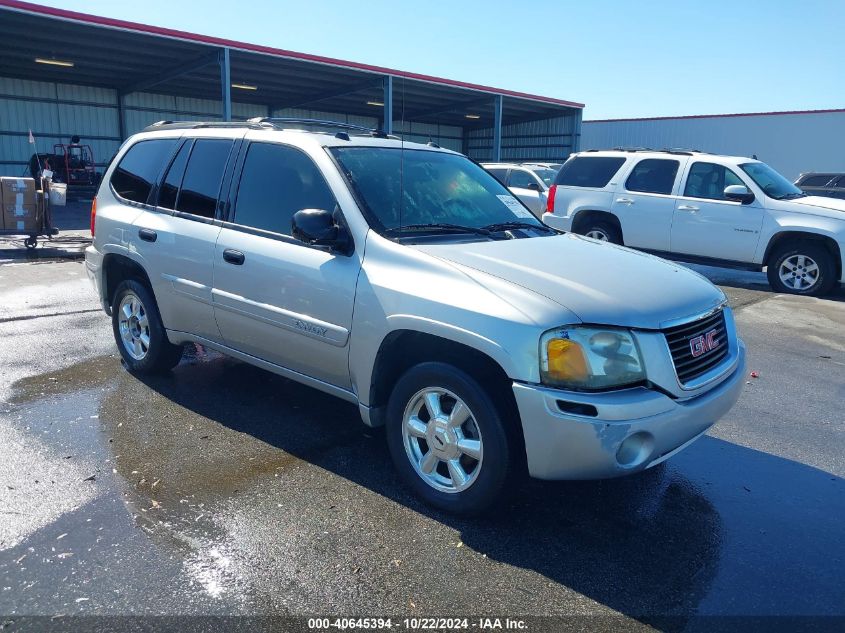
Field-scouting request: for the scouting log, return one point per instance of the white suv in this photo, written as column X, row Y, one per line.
column 719, row 210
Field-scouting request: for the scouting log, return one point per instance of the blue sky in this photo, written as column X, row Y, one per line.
column 623, row 59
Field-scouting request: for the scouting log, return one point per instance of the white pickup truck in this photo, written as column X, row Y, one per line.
column 719, row 210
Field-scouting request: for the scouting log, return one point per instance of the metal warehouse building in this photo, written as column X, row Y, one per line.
column 791, row 142
column 64, row 73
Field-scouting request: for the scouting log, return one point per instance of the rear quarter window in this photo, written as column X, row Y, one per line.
column 135, row 175
column 589, row 171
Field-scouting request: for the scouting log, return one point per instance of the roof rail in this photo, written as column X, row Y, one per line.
column 682, row 150
column 281, row 123
column 632, row 149
column 193, row 125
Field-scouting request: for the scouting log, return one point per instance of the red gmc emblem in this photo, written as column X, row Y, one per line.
column 703, row 343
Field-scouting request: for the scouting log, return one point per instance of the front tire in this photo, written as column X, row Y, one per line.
column 139, row 332
column 801, row 268
column 448, row 440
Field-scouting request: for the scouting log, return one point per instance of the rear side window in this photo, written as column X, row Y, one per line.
column 276, row 182
column 653, row 175
column 134, row 176
column 589, row 171
column 169, row 189
column 203, row 175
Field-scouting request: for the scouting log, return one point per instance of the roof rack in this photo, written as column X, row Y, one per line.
column 681, row 151
column 193, row 125
column 258, row 123
column 281, row 123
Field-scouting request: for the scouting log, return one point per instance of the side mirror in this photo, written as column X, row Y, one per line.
column 318, row 227
column 739, row 193
column 533, row 186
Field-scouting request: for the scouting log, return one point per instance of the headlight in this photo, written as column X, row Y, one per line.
column 589, row 358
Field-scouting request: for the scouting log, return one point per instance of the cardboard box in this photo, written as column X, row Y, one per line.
column 21, row 211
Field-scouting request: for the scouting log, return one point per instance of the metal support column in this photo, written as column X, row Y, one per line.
column 388, row 105
column 497, row 128
column 121, row 117
column 225, row 84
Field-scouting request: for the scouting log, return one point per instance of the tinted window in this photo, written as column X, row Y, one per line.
column 815, row 181
column 521, row 179
column 589, row 171
column 840, row 182
column 140, row 166
column 276, row 182
column 201, row 185
column 653, row 175
column 708, row 180
column 170, row 187
column 499, row 174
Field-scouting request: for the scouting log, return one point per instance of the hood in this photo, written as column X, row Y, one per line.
column 817, row 205
column 600, row 282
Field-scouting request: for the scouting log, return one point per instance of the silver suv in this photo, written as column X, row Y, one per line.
column 407, row 280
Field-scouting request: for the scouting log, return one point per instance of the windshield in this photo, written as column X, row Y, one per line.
column 546, row 175
column 419, row 188
column 771, row 182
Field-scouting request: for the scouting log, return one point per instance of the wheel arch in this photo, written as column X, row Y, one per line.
column 402, row 349
column 116, row 268
column 585, row 216
column 786, row 237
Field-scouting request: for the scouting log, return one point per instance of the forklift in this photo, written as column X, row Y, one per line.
column 72, row 164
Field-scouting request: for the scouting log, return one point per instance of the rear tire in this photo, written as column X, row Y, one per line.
column 801, row 268
column 459, row 459
column 602, row 230
column 138, row 331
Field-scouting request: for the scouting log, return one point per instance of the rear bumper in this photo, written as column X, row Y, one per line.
column 94, row 270
column 631, row 431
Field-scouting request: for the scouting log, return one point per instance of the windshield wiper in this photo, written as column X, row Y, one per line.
column 506, row 226
column 439, row 226
column 791, row 196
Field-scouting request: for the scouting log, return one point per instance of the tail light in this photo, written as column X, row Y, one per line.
column 93, row 215
column 550, row 200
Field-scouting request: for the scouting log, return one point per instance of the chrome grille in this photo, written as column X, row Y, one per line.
column 682, row 338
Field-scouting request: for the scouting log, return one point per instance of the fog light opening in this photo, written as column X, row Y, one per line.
column 635, row 450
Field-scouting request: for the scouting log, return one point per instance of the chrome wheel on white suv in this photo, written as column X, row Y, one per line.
column 801, row 268
column 597, row 234
column 799, row 272
column 442, row 440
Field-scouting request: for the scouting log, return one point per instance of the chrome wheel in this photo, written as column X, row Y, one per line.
column 598, row 234
column 799, row 272
column 442, row 440
column 134, row 327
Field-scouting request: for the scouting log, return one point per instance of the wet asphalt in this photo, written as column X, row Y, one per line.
column 221, row 489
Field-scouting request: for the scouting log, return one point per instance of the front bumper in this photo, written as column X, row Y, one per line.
column 632, row 430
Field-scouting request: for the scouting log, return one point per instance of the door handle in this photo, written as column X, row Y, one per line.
column 233, row 257
column 687, row 207
column 625, row 200
column 148, row 235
